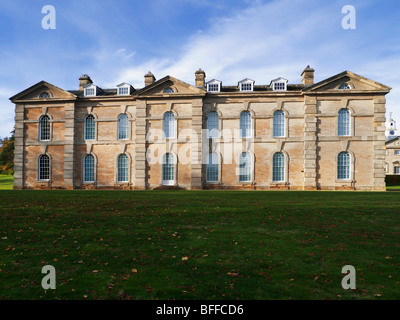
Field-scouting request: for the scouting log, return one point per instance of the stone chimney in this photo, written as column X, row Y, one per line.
column 83, row 81
column 149, row 79
column 307, row 76
column 200, row 78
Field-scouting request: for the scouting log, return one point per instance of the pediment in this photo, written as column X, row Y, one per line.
column 393, row 143
column 352, row 81
column 37, row 93
column 165, row 86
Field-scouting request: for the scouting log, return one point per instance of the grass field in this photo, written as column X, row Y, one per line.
column 6, row 182
column 199, row 245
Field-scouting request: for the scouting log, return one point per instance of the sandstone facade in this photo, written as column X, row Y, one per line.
column 309, row 154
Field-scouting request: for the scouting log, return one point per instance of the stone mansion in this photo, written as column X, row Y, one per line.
column 328, row 135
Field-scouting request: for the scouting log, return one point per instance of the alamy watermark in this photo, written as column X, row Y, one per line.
column 49, row 20
column 349, row 20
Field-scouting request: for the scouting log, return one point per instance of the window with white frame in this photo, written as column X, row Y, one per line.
column 214, row 86
column 123, row 91
column 44, row 168
column 122, row 168
column 88, row 168
column 245, row 167
column 213, row 125
column 278, row 167
column 344, row 122
column 90, row 127
column 245, row 124
column 44, row 128
column 246, row 86
column 90, row 92
column 343, row 166
column 168, row 167
column 169, row 125
column 279, row 124
column 397, row 152
column 279, row 86
column 212, row 168
column 396, row 170
column 123, row 127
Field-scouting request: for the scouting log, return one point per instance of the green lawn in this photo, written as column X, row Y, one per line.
column 199, row 245
column 6, row 182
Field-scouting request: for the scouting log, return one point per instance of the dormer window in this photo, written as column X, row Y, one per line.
column 90, row 90
column 246, row 85
column 279, row 84
column 124, row 89
column 344, row 87
column 214, row 86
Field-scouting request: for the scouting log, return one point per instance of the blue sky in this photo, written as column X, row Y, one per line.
column 120, row 41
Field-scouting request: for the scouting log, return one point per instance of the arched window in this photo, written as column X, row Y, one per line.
column 44, row 128
column 123, row 168
column 213, row 125
column 343, row 166
column 212, row 168
column 90, row 128
column 344, row 122
column 245, row 124
column 88, row 168
column 169, row 125
column 245, row 167
column 123, row 127
column 44, row 167
column 168, row 173
column 44, row 95
column 278, row 167
column 344, row 87
column 168, row 90
column 279, row 124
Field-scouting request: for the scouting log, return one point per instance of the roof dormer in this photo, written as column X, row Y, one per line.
column 124, row 89
column 279, row 84
column 91, row 90
column 246, row 85
column 214, row 86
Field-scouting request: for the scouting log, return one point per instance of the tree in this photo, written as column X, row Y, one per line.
column 7, row 155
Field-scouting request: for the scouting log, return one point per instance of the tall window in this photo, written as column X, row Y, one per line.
column 245, row 124
column 44, row 167
column 168, row 169
column 344, row 122
column 213, row 125
column 123, row 127
column 123, row 167
column 245, row 167
column 343, row 166
column 169, row 125
column 279, row 124
column 88, row 168
column 44, row 128
column 212, row 168
column 278, row 167
column 396, row 170
column 89, row 127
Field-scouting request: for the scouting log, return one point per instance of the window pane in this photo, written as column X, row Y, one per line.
column 123, row 168
column 89, row 127
column 44, row 167
column 245, row 167
column 168, row 167
column 88, row 168
column 212, row 168
column 123, row 126
column 344, row 122
column 245, row 124
column 279, row 124
column 343, row 168
column 44, row 124
column 169, row 125
column 213, row 125
column 278, row 167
